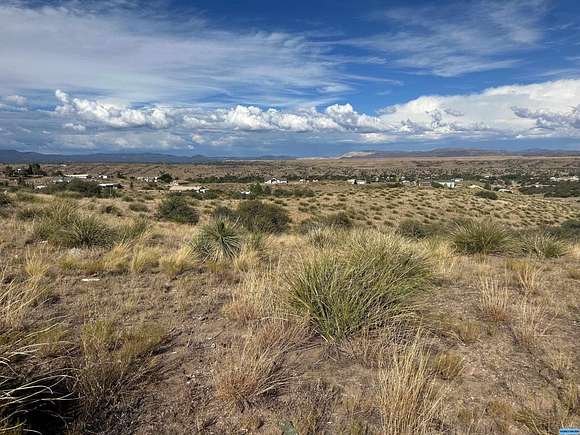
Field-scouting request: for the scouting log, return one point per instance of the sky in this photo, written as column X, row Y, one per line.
column 300, row 78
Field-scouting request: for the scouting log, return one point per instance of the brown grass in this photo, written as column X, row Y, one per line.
column 408, row 397
column 493, row 299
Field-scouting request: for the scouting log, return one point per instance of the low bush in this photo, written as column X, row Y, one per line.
column 361, row 284
column 569, row 229
column 412, row 228
column 487, row 194
column 217, row 241
column 542, row 245
column 175, row 207
column 5, row 200
column 62, row 224
column 257, row 216
column 481, row 237
column 138, row 207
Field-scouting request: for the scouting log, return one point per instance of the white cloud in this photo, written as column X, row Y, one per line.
column 16, row 100
column 548, row 109
column 75, row 127
column 134, row 57
column 459, row 38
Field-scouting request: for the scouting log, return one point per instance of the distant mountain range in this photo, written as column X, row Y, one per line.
column 13, row 156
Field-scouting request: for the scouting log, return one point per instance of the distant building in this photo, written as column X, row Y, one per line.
column 79, row 176
column 110, row 185
column 184, row 188
column 276, row 181
column 448, row 184
column 355, row 181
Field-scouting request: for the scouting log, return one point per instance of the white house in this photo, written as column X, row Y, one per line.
column 276, row 181
column 79, row 176
column 448, row 184
column 110, row 186
column 355, row 181
column 183, row 188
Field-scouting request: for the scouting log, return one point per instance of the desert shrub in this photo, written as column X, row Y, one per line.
column 134, row 229
column 175, row 207
column 29, row 213
column 542, row 245
column 257, row 216
column 217, row 241
column 361, row 284
column 335, row 220
column 64, row 225
column 487, row 194
column 5, row 200
column 481, row 237
column 138, row 207
column 223, row 212
column 412, row 228
column 569, row 229
column 110, row 209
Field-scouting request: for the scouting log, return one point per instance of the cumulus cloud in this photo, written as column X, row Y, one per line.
column 16, row 100
column 501, row 112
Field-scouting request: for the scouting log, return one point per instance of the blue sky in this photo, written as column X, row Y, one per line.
column 288, row 78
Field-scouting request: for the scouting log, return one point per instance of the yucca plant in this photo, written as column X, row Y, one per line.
column 542, row 245
column 217, row 241
column 481, row 237
column 360, row 284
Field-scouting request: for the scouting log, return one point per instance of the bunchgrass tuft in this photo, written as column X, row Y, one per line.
column 542, row 245
column 359, row 285
column 481, row 237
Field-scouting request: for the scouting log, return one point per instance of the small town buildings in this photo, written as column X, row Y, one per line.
column 355, row 181
column 113, row 186
column 448, row 184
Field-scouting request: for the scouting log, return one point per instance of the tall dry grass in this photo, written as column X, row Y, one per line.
column 409, row 399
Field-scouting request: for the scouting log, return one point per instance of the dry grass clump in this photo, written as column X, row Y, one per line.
column 178, row 262
column 481, row 237
column 493, row 299
column 574, row 251
column 448, row 365
column 527, row 275
column 530, row 324
column 442, row 253
column 254, row 298
column 28, row 386
column 409, row 399
column 36, row 265
column 130, row 257
column 324, row 237
column 114, row 363
column 218, row 241
column 542, row 245
column 364, row 283
column 17, row 299
column 253, row 367
column 540, row 420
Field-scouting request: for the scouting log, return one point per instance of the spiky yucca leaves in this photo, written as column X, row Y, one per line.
column 64, row 225
column 218, row 241
column 360, row 284
column 481, row 237
column 542, row 245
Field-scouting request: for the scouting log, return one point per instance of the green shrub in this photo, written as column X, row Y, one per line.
column 569, row 229
column 134, row 229
column 487, row 194
column 258, row 216
column 174, row 207
column 542, row 245
column 359, row 285
column 217, row 241
column 481, row 237
column 5, row 200
column 223, row 212
column 412, row 228
column 30, row 213
column 62, row 224
column 138, row 207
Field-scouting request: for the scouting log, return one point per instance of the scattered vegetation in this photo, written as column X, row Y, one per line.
column 174, row 207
